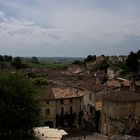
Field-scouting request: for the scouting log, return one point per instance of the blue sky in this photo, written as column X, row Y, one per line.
column 69, row 27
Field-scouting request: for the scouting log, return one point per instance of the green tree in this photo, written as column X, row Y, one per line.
column 19, row 111
column 138, row 54
column 103, row 65
column 77, row 62
column 7, row 58
column 17, row 63
column 132, row 62
column 1, row 58
column 40, row 81
column 90, row 58
column 35, row 60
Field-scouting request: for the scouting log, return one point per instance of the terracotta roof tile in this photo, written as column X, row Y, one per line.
column 60, row 93
column 67, row 93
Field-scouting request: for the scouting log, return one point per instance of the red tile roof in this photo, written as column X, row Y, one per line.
column 60, row 93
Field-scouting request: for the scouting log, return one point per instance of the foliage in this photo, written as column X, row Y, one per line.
column 77, row 62
column 90, row 58
column 132, row 62
column 103, row 65
column 31, row 75
column 19, row 111
column 40, row 81
column 5, row 58
column 17, row 63
column 35, row 60
column 138, row 54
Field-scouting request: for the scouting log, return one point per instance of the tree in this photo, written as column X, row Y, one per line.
column 132, row 62
column 19, row 111
column 103, row 65
column 7, row 58
column 90, row 58
column 77, row 62
column 1, row 58
column 17, row 63
column 35, row 60
column 40, row 81
column 138, row 54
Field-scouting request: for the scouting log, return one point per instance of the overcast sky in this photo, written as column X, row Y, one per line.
column 69, row 27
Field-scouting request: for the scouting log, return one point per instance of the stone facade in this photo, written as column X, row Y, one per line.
column 113, row 72
column 120, row 113
column 57, row 109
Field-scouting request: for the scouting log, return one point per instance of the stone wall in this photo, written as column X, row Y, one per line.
column 55, row 108
column 114, row 113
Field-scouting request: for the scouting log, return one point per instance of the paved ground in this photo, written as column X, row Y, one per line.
column 94, row 136
column 81, row 134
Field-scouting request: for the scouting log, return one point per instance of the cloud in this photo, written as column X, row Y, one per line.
column 70, row 28
column 2, row 16
column 13, row 29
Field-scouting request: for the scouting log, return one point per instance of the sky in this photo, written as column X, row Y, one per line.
column 69, row 28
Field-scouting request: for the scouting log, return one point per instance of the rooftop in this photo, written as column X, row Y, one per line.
column 92, row 86
column 113, row 83
column 121, row 96
column 60, row 93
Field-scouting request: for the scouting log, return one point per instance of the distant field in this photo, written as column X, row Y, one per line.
column 50, row 65
column 51, row 62
column 57, row 59
column 60, row 59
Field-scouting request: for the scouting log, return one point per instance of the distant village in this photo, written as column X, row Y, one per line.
column 99, row 94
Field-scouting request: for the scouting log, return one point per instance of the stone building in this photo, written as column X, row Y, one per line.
column 61, row 106
column 92, row 102
column 113, row 72
column 120, row 113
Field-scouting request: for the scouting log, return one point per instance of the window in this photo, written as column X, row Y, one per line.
column 71, row 110
column 47, row 111
column 90, row 96
column 71, row 100
column 47, row 102
column 62, row 110
column 62, row 101
column 80, row 108
column 105, row 117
